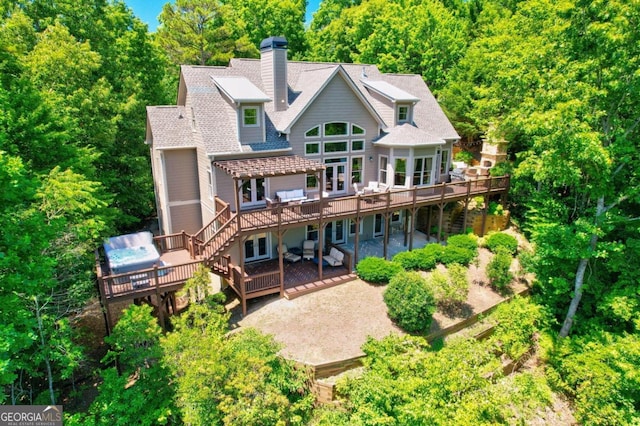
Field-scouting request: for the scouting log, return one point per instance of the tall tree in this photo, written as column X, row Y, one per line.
column 564, row 97
column 202, row 32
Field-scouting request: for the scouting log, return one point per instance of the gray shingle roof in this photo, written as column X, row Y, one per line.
column 407, row 135
column 170, row 127
column 216, row 118
column 388, row 90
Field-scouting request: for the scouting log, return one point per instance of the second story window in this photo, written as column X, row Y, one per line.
column 250, row 117
column 403, row 114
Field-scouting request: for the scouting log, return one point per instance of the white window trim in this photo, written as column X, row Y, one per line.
column 246, row 108
column 364, row 142
column 360, row 231
column 406, row 120
column 255, row 238
column 431, row 175
column 380, row 157
column 210, row 182
column 348, row 125
column 315, row 136
column 347, row 143
column 406, row 166
column 357, row 135
column 319, row 143
column 351, row 168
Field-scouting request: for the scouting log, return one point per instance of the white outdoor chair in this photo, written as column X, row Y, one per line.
column 308, row 249
column 288, row 256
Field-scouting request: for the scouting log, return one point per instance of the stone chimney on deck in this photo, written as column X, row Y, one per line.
column 273, row 65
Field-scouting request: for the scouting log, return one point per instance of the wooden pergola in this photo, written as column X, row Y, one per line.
column 264, row 167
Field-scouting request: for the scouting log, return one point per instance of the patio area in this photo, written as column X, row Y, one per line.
column 298, row 273
column 375, row 247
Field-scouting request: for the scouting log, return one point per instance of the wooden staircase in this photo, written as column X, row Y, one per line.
column 213, row 239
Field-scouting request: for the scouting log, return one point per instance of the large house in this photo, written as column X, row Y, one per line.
column 293, row 162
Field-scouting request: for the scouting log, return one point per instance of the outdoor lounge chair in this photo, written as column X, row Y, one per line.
column 335, row 257
column 356, row 190
column 308, row 249
column 288, row 256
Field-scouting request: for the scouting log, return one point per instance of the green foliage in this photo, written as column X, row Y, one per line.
column 135, row 338
column 600, row 372
column 466, row 241
column 410, row 260
column 502, row 240
column 450, row 289
column 377, row 270
column 429, row 256
column 410, row 301
column 498, row 270
column 495, row 209
column 464, row 156
column 517, row 323
column 141, row 394
column 235, row 379
column 501, row 168
column 459, row 255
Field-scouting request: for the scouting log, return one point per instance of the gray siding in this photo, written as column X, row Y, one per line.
column 186, row 218
column 251, row 134
column 337, row 102
column 182, row 175
column 224, row 187
column 385, row 108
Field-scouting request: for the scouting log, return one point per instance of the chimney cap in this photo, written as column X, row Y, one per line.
column 273, row 43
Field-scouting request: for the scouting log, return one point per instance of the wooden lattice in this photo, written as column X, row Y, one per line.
column 268, row 166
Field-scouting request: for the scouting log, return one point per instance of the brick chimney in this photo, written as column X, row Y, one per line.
column 273, row 65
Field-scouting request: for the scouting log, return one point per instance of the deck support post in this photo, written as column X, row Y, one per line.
column 321, row 230
column 356, row 241
column 159, row 299
column 484, row 214
column 441, row 208
column 385, row 246
column 429, row 213
column 466, row 206
column 241, row 286
column 281, row 262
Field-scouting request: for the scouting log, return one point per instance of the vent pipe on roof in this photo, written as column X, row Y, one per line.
column 364, row 72
column 273, row 65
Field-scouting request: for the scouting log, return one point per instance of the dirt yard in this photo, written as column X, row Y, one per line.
column 332, row 324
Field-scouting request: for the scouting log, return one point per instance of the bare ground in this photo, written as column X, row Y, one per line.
column 332, row 324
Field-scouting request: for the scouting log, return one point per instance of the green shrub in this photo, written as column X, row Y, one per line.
column 464, row 156
column 501, row 168
column 600, row 372
column 498, row 269
column 410, row 260
column 517, row 322
column 410, row 301
column 495, row 208
column 460, row 255
column 377, row 270
column 500, row 239
column 451, row 288
column 467, row 241
column 429, row 256
column 458, row 283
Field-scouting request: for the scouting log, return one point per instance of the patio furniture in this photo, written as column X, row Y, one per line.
column 356, row 190
column 288, row 256
column 335, row 257
column 371, row 187
column 291, row 195
column 308, row 249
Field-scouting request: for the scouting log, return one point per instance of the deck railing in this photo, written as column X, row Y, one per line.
column 172, row 242
column 209, row 230
column 158, row 278
column 261, row 282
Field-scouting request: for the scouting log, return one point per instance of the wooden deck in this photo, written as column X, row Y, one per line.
column 330, row 209
column 182, row 253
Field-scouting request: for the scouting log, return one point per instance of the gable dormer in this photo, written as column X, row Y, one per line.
column 400, row 103
column 248, row 102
